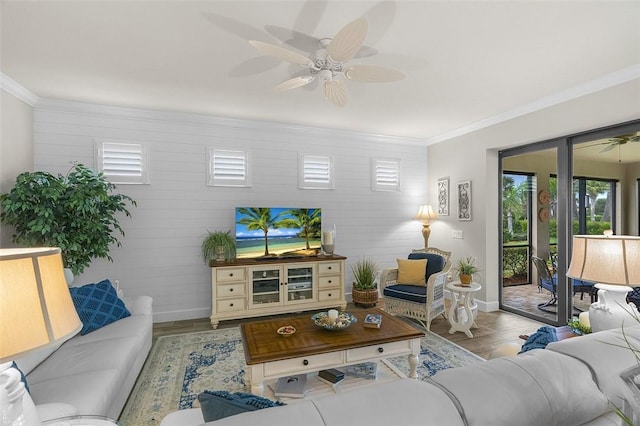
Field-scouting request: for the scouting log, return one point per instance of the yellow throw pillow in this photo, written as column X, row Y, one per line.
column 412, row 272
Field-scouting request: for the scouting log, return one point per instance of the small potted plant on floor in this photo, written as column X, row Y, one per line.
column 466, row 268
column 219, row 246
column 365, row 287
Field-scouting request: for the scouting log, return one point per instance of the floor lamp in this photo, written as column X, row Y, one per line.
column 613, row 262
column 425, row 214
column 36, row 311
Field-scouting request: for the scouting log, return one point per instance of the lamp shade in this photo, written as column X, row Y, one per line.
column 35, row 304
column 606, row 259
column 426, row 212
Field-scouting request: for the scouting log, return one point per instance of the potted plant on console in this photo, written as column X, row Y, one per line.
column 76, row 212
column 219, row 246
column 365, row 287
column 466, row 268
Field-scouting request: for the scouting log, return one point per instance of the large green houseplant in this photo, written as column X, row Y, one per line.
column 364, row 288
column 218, row 246
column 76, row 212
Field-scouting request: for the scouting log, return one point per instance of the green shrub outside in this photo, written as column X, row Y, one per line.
column 514, row 261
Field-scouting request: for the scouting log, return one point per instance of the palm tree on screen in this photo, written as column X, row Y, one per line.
column 261, row 219
column 307, row 220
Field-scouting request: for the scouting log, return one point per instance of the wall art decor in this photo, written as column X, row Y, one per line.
column 443, row 197
column 464, row 200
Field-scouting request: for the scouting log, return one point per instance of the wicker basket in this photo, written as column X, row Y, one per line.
column 364, row 297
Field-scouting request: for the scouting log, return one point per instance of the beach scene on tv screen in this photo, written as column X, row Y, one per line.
column 277, row 231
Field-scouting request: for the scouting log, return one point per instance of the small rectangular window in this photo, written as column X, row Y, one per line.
column 385, row 174
column 315, row 172
column 122, row 162
column 228, row 168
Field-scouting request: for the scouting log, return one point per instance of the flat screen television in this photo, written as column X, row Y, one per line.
column 277, row 232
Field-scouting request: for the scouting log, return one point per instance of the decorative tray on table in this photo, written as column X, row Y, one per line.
column 345, row 319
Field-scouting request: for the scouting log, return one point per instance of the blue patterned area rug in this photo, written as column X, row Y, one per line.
column 180, row 367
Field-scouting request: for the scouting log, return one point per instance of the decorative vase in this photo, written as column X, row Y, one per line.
column 611, row 310
column 465, row 279
column 68, row 276
column 365, row 297
column 328, row 241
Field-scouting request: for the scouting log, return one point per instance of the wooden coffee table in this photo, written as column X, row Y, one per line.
column 269, row 355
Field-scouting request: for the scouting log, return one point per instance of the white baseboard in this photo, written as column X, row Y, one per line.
column 190, row 314
column 482, row 305
column 185, row 314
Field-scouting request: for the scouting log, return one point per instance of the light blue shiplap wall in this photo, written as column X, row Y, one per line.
column 160, row 255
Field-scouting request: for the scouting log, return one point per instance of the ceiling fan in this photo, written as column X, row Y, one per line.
column 328, row 64
column 616, row 141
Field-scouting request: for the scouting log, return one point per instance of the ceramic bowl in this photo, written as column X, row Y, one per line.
column 345, row 319
column 287, row 330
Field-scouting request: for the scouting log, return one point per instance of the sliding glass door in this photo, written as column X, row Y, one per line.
column 575, row 185
column 529, row 231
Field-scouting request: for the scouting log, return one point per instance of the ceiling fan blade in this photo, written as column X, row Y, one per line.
column 348, row 41
column 281, row 53
column 372, row 74
column 585, row 145
column 295, row 39
column 335, row 92
column 293, row 83
column 622, row 139
column 610, row 147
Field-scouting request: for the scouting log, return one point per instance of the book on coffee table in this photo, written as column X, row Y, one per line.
column 291, row 386
column 372, row 321
column 331, row 375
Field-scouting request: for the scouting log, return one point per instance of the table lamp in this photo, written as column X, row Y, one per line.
column 426, row 213
column 36, row 311
column 613, row 263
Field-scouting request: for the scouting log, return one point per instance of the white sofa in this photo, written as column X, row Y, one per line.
column 572, row 382
column 92, row 374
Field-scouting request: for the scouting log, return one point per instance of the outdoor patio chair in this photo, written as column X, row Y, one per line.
column 420, row 302
column 546, row 281
column 578, row 285
column 549, row 282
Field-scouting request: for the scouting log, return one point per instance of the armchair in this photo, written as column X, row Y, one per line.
column 423, row 303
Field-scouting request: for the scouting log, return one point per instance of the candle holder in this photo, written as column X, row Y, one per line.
column 327, row 241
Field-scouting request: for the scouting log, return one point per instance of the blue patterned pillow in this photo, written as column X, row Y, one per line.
column 219, row 404
column 23, row 378
column 97, row 305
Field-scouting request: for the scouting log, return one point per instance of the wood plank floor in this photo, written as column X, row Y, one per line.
column 494, row 329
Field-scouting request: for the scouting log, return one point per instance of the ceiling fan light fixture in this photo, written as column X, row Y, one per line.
column 329, row 62
column 325, row 75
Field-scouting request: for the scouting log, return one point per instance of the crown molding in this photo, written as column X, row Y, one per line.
column 610, row 80
column 11, row 86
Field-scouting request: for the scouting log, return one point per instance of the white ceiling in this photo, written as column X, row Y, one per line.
column 465, row 61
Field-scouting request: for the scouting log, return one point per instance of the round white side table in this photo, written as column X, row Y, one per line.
column 463, row 310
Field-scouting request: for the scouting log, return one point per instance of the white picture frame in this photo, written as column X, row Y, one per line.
column 443, row 196
column 464, row 200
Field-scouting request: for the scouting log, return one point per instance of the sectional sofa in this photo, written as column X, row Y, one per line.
column 91, row 374
column 572, row 382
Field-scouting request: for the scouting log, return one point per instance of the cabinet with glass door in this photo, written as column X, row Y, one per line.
column 278, row 285
column 248, row 288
